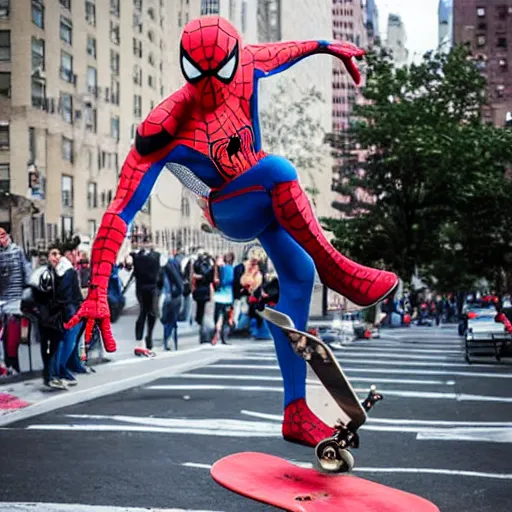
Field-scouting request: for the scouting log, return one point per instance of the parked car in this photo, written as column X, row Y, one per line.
column 481, row 325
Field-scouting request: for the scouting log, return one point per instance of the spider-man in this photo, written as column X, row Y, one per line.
column 211, row 127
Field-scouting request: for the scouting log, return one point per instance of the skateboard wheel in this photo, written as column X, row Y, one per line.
column 332, row 459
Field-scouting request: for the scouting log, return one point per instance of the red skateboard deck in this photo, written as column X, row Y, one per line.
column 277, row 482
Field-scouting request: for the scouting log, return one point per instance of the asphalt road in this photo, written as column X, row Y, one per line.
column 444, row 431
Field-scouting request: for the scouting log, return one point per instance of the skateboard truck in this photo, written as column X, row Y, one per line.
column 333, row 453
column 372, row 398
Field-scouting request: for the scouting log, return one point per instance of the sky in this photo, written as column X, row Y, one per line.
column 420, row 20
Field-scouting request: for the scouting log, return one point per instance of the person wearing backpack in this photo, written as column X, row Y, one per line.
column 172, row 291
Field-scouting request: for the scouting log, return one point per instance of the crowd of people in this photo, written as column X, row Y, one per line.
column 181, row 288
column 38, row 297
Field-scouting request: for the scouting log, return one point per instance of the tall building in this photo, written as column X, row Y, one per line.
column 486, row 29
column 349, row 24
column 397, row 40
column 76, row 78
column 445, row 29
column 269, row 20
column 372, row 23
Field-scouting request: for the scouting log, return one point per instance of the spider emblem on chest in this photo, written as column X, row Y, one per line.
column 233, row 155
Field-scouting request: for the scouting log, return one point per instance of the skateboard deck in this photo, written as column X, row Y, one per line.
column 323, row 362
column 277, row 482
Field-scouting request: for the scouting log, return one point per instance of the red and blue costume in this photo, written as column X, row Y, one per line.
column 211, row 127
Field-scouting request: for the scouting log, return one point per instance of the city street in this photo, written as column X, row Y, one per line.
column 444, row 430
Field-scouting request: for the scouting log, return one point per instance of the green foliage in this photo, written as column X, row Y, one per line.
column 435, row 172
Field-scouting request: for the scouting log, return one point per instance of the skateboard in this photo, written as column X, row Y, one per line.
column 333, row 453
column 280, row 483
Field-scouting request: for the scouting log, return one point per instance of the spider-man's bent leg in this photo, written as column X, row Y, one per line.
column 362, row 285
column 296, row 273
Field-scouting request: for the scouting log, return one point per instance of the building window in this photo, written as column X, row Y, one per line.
column 90, row 13
column 137, row 47
column 502, row 42
column 114, row 7
column 502, row 11
column 66, row 4
column 32, row 151
column 137, row 5
column 92, row 227
column 38, row 93
column 91, row 119
column 185, row 207
column 66, row 184
column 151, row 81
column 66, row 66
column 66, row 30
column 503, row 64
column 114, row 62
column 500, row 91
column 114, row 91
column 209, row 7
column 66, row 107
column 137, row 105
column 4, row 137
column 37, row 54
column 66, row 226
column 91, row 46
column 480, row 41
column 151, row 14
column 5, row 178
column 151, row 36
column 114, row 32
column 67, row 149
column 92, row 195
column 92, row 81
column 137, row 75
column 151, row 59
column 114, row 128
column 5, row 9
column 5, row 45
column 38, row 13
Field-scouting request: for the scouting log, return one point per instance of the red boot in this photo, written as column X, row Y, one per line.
column 301, row 426
column 361, row 285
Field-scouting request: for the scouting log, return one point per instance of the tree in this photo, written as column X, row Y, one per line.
column 291, row 131
column 435, row 173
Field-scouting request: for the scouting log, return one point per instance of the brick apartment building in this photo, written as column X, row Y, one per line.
column 486, row 28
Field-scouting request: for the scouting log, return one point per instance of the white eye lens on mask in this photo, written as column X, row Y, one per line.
column 227, row 71
column 191, row 72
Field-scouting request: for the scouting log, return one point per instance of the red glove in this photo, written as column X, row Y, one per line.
column 95, row 310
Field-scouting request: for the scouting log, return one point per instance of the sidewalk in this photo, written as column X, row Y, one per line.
column 22, row 400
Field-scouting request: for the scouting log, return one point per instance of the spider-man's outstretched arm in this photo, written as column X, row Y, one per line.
column 271, row 58
column 138, row 175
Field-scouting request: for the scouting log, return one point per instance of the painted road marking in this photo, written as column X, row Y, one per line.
column 461, row 397
column 387, row 371
column 7, row 506
column 393, row 421
column 242, row 428
column 373, row 362
column 362, row 353
column 418, row 471
column 216, row 376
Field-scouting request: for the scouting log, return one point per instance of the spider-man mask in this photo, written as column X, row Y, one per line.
column 210, row 54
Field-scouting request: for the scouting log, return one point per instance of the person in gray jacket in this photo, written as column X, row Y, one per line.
column 14, row 276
